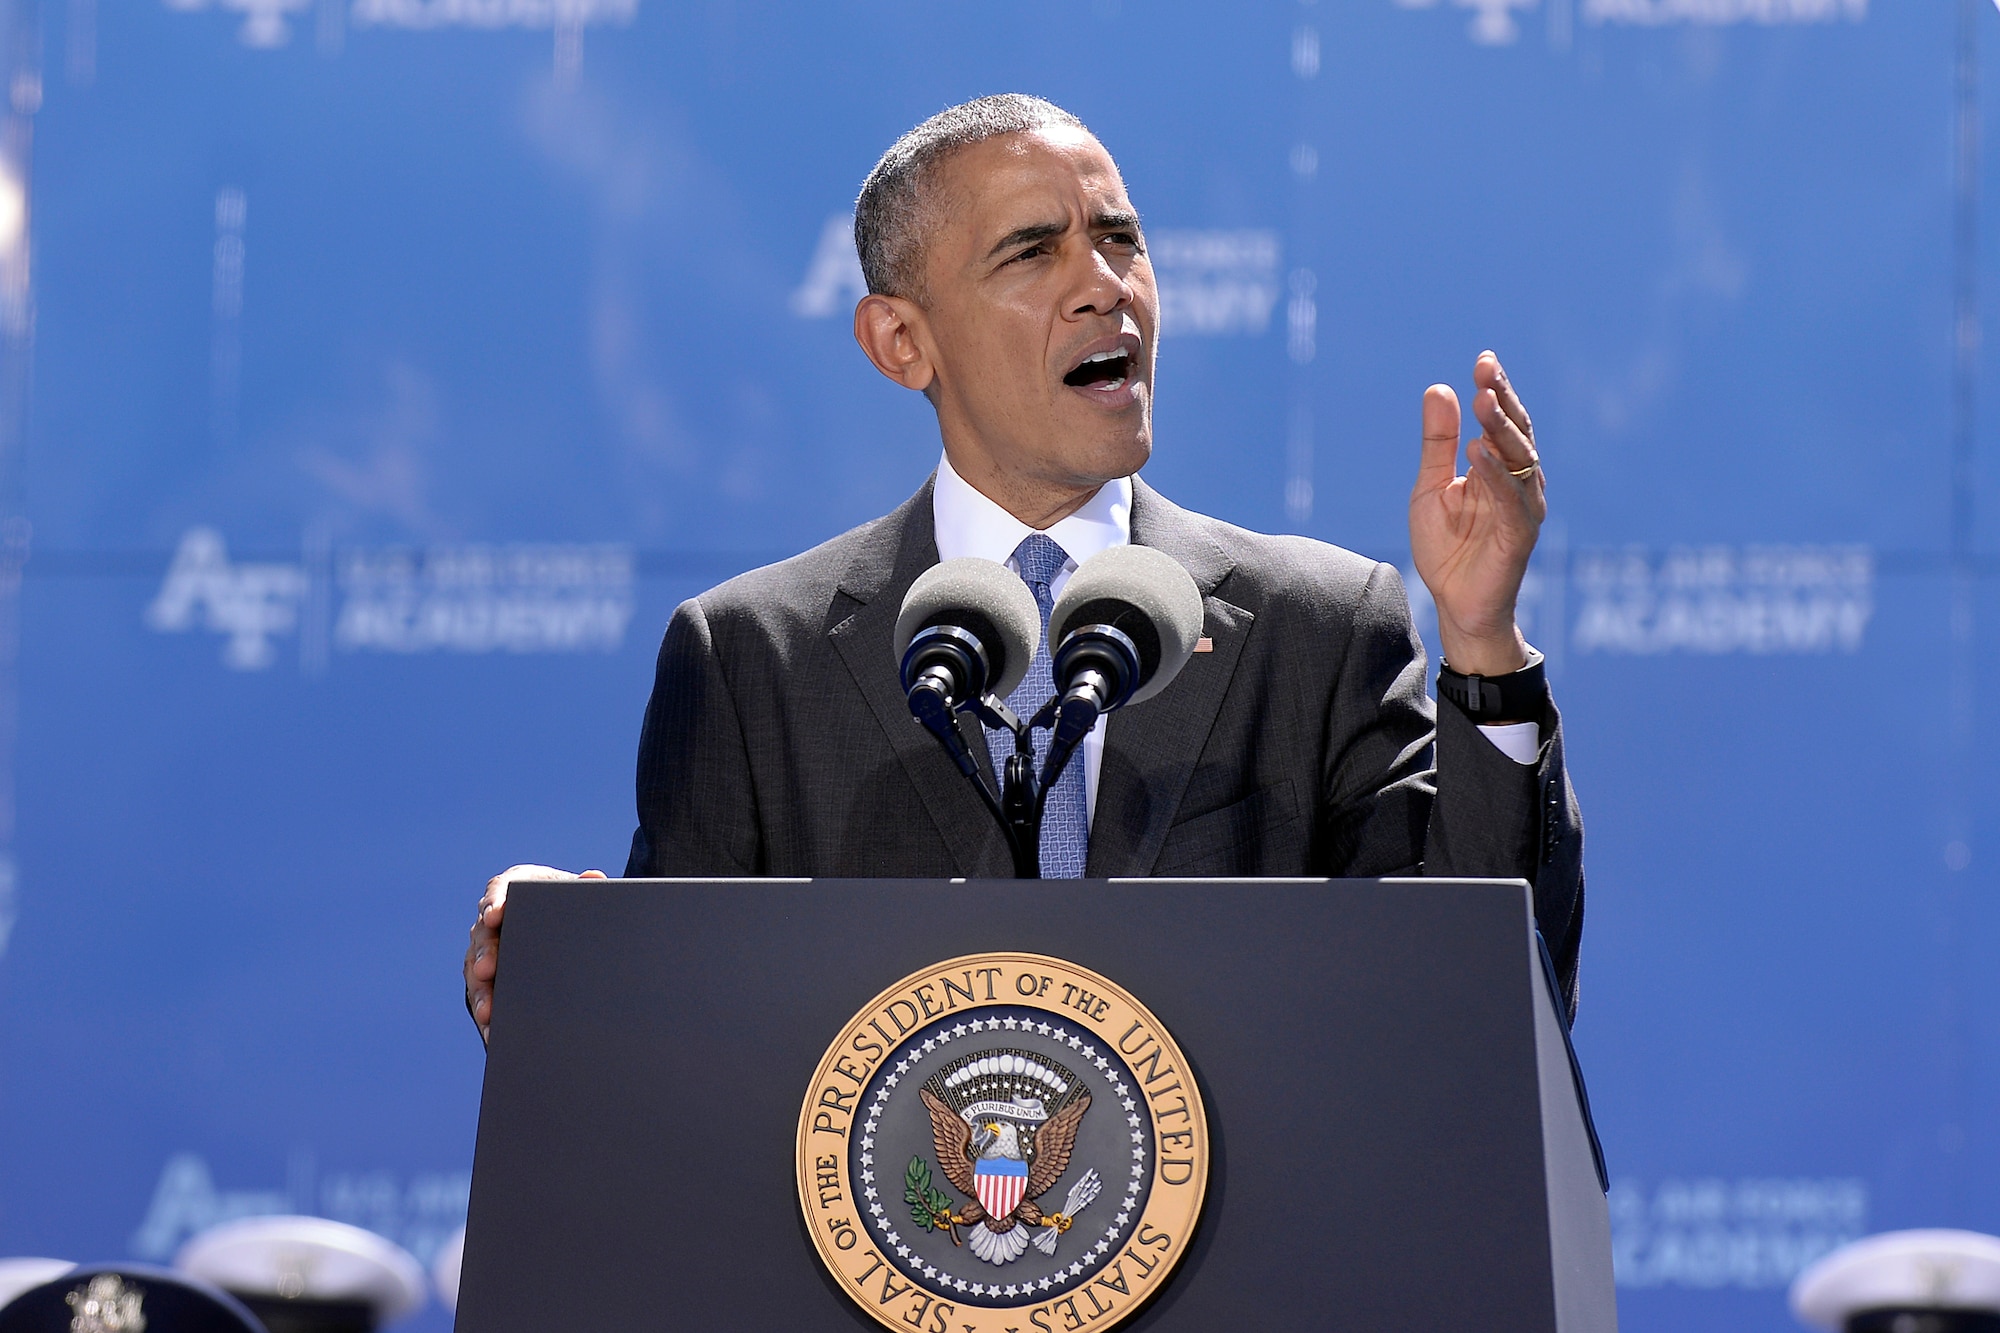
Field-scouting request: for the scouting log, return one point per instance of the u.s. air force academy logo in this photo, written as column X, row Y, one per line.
column 1002, row 1142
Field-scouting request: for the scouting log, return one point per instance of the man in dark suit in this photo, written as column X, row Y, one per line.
column 1008, row 283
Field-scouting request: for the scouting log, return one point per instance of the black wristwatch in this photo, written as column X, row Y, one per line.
column 1517, row 696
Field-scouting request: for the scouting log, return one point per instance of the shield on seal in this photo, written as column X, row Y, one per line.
column 1001, row 1182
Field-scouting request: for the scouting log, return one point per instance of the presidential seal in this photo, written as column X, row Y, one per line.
column 1002, row 1142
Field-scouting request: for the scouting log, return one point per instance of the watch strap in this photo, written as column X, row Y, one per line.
column 1517, row 696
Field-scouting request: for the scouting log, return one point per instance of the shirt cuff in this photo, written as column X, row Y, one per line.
column 1519, row 741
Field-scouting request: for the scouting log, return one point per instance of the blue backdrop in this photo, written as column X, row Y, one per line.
column 378, row 375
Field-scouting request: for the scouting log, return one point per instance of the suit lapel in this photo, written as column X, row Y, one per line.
column 861, row 626
column 1150, row 751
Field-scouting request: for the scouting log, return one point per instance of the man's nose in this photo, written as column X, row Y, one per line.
column 1101, row 289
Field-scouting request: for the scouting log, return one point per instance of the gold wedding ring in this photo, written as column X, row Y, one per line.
column 1523, row 473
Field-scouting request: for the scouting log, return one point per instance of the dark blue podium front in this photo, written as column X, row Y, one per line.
column 1398, row 1136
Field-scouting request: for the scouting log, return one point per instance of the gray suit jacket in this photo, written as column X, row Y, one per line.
column 778, row 742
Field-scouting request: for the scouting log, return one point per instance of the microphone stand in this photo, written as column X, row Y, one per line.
column 1018, row 808
column 1023, row 795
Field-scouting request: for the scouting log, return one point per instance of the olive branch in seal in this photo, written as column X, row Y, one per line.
column 930, row 1207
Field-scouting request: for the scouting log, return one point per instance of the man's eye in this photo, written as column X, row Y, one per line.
column 1126, row 238
column 1031, row 252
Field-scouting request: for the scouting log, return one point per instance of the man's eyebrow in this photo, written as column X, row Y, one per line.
column 1110, row 220
column 1028, row 235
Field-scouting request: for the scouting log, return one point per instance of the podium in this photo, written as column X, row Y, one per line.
column 1397, row 1133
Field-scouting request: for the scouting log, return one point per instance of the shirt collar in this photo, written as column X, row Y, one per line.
column 967, row 523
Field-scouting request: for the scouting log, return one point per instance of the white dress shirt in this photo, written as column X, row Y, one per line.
column 968, row 523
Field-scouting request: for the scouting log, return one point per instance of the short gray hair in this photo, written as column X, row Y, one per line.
column 890, row 217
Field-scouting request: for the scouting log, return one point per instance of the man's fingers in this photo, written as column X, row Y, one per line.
column 479, row 970
column 482, row 954
column 1490, row 471
column 1488, row 373
column 493, row 906
column 1516, row 449
column 1524, row 495
column 1438, row 465
column 512, row 873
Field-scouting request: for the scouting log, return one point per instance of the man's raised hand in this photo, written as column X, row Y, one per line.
column 482, row 955
column 1471, row 535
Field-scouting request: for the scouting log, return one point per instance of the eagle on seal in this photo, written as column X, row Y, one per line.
column 1004, row 1167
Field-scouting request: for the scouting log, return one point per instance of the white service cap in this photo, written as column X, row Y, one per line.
column 1900, row 1270
column 309, row 1259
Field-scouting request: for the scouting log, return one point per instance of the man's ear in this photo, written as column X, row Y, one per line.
column 896, row 337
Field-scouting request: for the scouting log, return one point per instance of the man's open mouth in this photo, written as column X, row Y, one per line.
column 1106, row 370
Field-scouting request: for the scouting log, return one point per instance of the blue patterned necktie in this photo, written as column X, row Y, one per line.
column 1065, row 815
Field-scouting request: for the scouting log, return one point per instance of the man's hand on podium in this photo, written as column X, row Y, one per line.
column 482, row 956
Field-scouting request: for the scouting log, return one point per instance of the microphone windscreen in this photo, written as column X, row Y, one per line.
column 1152, row 583
column 950, row 592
